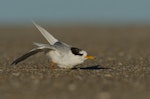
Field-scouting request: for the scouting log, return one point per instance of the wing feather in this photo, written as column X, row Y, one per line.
column 30, row 53
column 25, row 56
column 51, row 39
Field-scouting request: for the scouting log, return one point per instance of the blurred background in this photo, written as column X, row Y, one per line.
column 66, row 12
column 116, row 32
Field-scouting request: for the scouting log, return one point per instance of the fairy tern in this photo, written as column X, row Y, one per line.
column 62, row 54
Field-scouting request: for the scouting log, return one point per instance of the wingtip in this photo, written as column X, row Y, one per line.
column 36, row 25
column 51, row 39
column 13, row 63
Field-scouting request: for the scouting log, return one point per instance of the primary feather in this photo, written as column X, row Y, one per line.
column 25, row 56
column 40, row 48
column 52, row 40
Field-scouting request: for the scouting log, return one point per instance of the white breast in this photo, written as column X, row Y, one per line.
column 64, row 60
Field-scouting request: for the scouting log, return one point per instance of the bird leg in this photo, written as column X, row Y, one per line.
column 52, row 64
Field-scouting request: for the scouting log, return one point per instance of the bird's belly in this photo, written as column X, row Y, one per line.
column 63, row 61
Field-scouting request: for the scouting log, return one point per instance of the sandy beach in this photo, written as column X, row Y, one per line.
column 121, row 69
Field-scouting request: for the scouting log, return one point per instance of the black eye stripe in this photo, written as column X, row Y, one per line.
column 76, row 51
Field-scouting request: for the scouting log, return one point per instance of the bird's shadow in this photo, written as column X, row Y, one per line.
column 95, row 67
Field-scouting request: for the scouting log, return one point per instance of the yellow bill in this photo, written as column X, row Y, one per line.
column 89, row 57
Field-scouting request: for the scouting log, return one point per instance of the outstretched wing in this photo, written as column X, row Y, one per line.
column 52, row 40
column 30, row 53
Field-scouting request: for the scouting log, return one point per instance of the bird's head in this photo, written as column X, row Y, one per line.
column 81, row 54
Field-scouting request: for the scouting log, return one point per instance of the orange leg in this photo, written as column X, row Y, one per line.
column 52, row 64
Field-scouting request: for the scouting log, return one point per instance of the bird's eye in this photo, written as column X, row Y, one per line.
column 76, row 51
